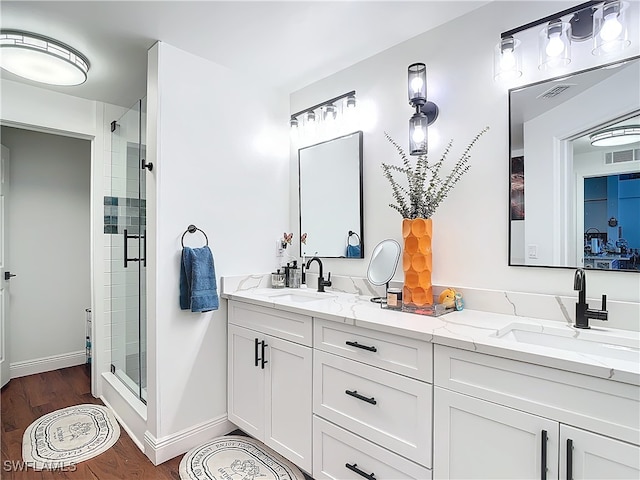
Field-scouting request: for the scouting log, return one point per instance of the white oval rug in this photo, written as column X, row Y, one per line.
column 69, row 436
column 236, row 458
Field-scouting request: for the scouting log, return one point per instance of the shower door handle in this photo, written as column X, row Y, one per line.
column 144, row 249
column 126, row 248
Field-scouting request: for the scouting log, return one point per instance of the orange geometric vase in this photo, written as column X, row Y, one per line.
column 416, row 262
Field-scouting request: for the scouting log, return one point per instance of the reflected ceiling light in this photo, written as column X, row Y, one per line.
column 621, row 135
column 41, row 59
column 426, row 112
column 604, row 21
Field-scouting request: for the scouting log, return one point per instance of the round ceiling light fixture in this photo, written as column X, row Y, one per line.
column 41, row 59
column 620, row 135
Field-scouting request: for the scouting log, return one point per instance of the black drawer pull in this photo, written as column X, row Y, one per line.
column 543, row 457
column 355, row 394
column 569, row 459
column 354, row 468
column 363, row 347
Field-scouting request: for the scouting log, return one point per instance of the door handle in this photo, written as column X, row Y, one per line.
column 569, row 459
column 262, row 360
column 543, row 456
column 8, row 275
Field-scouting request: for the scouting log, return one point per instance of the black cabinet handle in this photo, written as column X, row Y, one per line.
column 543, row 457
column 262, row 359
column 354, row 468
column 256, row 351
column 363, row 347
column 569, row 459
column 355, row 394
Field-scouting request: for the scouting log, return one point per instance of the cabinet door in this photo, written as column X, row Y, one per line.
column 586, row 455
column 476, row 439
column 288, row 395
column 246, row 403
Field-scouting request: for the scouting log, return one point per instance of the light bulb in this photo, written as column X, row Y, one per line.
column 611, row 28
column 554, row 45
column 507, row 60
column 416, row 84
column 418, row 135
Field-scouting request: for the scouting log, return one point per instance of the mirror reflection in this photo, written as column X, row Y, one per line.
column 331, row 220
column 575, row 170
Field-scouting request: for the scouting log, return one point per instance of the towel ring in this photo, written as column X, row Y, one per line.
column 351, row 232
column 193, row 229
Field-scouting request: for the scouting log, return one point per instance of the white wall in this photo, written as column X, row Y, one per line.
column 219, row 163
column 471, row 227
column 49, row 233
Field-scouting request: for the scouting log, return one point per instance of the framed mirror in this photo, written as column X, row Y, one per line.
column 330, row 195
column 575, row 170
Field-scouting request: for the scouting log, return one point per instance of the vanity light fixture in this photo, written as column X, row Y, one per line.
column 614, row 136
column 328, row 110
column 602, row 21
column 42, row 59
column 426, row 112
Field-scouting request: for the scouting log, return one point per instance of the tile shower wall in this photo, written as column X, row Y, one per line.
column 122, row 210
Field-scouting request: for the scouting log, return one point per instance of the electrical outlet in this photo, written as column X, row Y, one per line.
column 532, row 251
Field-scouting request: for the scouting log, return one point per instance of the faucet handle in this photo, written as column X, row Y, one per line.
column 604, row 303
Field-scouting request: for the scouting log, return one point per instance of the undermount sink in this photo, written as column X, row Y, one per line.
column 300, row 296
column 588, row 341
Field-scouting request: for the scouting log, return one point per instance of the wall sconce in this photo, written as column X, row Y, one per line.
column 604, row 22
column 426, row 112
column 328, row 112
column 42, row 59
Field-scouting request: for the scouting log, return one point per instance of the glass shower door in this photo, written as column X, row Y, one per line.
column 127, row 227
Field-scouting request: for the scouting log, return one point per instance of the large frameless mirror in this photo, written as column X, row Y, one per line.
column 331, row 219
column 575, row 170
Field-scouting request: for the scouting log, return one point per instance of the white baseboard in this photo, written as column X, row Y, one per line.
column 159, row 450
column 46, row 364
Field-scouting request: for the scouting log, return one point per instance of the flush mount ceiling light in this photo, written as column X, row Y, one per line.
column 614, row 136
column 604, row 22
column 41, row 59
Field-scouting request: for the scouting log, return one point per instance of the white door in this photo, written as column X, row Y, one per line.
column 246, row 381
column 4, row 272
column 586, row 455
column 288, row 413
column 475, row 439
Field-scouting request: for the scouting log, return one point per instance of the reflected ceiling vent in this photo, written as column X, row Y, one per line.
column 622, row 156
column 556, row 90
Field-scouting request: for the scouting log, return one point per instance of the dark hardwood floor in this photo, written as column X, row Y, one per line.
column 25, row 399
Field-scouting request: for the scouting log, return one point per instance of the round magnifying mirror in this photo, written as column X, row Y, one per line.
column 383, row 264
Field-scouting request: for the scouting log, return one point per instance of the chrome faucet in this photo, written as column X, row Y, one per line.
column 583, row 312
column 321, row 281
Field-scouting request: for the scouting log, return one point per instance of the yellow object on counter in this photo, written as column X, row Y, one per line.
column 447, row 297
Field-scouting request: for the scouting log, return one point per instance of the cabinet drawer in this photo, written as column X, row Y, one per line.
column 386, row 408
column 403, row 355
column 289, row 326
column 335, row 447
column 606, row 406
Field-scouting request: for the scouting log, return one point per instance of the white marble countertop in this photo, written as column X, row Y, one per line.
column 467, row 329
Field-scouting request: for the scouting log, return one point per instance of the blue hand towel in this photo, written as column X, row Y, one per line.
column 353, row 251
column 198, row 288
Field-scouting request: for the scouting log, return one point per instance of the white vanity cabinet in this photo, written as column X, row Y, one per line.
column 372, row 404
column 269, row 378
column 500, row 418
